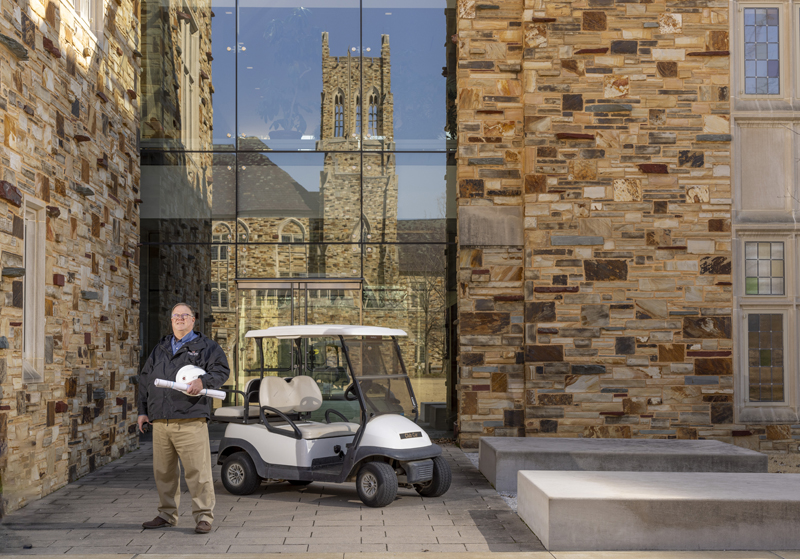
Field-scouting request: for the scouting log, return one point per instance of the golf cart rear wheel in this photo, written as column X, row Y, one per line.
column 239, row 475
column 376, row 484
column 440, row 483
column 300, row 482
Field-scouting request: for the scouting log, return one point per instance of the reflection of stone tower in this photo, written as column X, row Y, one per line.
column 356, row 113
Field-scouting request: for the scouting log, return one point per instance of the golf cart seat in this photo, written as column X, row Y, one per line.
column 229, row 413
column 299, row 394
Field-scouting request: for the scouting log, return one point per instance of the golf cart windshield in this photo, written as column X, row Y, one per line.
column 379, row 372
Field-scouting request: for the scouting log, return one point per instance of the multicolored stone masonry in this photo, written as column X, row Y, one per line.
column 68, row 233
column 595, row 285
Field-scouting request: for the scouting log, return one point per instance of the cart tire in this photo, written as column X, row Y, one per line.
column 239, row 475
column 376, row 483
column 300, row 482
column 440, row 483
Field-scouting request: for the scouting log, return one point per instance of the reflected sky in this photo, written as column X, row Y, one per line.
column 280, row 74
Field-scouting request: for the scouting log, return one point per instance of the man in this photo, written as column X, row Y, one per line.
column 179, row 421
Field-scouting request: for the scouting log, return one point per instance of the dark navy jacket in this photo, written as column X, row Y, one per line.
column 166, row 403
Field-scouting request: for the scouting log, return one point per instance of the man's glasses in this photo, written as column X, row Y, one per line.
column 181, row 316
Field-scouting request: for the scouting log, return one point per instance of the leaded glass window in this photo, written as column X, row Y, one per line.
column 373, row 115
column 761, row 51
column 358, row 116
column 765, row 357
column 338, row 115
column 764, row 268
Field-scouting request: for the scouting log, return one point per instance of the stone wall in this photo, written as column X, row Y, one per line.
column 595, row 285
column 69, row 110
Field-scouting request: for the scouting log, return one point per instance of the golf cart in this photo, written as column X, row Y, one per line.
column 366, row 434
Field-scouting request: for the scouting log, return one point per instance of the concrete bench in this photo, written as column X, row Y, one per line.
column 502, row 457
column 604, row 511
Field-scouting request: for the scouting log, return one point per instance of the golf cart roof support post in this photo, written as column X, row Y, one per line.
column 361, row 402
column 408, row 379
column 302, row 353
column 261, row 355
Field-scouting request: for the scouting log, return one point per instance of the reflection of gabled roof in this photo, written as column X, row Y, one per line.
column 265, row 190
column 421, row 258
column 421, row 230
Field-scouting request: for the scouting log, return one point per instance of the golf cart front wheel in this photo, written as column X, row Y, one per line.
column 239, row 475
column 376, row 484
column 440, row 482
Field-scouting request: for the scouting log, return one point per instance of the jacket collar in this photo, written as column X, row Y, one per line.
column 166, row 342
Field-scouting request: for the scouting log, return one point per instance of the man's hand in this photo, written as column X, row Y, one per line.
column 142, row 420
column 195, row 387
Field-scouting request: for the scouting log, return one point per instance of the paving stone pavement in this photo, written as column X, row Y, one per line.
column 102, row 513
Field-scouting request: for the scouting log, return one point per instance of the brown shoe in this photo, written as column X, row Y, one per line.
column 157, row 522
column 202, row 527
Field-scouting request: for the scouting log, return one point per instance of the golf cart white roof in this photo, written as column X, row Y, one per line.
column 323, row 330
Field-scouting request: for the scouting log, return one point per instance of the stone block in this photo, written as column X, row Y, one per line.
column 603, row 511
column 502, row 457
column 490, row 226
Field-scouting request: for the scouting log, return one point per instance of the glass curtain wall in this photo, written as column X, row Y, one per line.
column 298, row 165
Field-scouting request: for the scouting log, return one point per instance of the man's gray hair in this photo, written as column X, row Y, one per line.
column 188, row 306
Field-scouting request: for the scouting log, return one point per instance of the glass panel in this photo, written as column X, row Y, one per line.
column 332, row 305
column 173, row 273
column 261, row 261
column 408, row 287
column 326, row 364
column 764, row 268
column 761, row 40
column 223, row 73
column 183, row 72
column 284, row 65
column 423, row 73
column 765, row 357
column 308, row 197
column 182, row 193
column 425, row 187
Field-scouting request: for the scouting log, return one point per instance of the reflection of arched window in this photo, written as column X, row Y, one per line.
column 220, row 262
column 338, row 113
column 373, row 114
column 358, row 116
column 292, row 260
column 243, row 231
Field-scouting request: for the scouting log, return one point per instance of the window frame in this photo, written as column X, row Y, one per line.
column 190, row 82
column 94, row 25
column 785, row 25
column 33, row 306
column 787, row 305
column 788, row 351
column 220, row 265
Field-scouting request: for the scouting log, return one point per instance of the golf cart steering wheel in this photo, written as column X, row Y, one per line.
column 350, row 393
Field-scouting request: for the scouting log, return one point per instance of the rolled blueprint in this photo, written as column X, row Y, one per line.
column 218, row 394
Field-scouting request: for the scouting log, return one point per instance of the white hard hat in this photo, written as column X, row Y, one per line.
column 187, row 374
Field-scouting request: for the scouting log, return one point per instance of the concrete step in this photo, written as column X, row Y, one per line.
column 502, row 457
column 604, row 511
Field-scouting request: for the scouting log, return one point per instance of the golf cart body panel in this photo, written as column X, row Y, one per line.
column 403, row 433
column 282, row 450
column 385, row 448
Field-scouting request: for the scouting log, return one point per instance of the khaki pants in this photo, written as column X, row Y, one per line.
column 187, row 440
